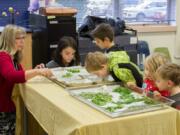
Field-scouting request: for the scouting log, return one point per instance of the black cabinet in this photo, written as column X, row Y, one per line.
column 46, row 32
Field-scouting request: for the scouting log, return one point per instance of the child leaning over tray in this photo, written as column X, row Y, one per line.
column 115, row 63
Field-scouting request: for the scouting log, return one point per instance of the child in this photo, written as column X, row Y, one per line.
column 151, row 64
column 66, row 54
column 168, row 77
column 117, row 64
column 103, row 35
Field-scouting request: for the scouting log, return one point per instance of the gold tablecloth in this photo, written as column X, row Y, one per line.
column 17, row 101
column 60, row 114
column 178, row 122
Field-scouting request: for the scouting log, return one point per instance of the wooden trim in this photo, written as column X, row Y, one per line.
column 153, row 28
column 27, row 52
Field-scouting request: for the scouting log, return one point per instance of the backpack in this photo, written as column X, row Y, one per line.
column 90, row 23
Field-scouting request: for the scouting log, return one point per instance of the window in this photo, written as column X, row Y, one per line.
column 149, row 11
column 132, row 11
column 146, row 11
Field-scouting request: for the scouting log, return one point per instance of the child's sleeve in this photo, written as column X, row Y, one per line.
column 123, row 74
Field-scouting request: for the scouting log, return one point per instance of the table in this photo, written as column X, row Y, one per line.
column 60, row 114
column 178, row 122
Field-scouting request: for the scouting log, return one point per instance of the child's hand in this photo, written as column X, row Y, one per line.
column 156, row 95
column 134, row 87
column 129, row 84
column 40, row 66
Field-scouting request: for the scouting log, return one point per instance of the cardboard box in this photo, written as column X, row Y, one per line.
column 58, row 11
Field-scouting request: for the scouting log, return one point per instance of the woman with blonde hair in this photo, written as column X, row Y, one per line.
column 11, row 72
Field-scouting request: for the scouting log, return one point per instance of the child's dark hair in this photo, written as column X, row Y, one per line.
column 63, row 43
column 103, row 30
column 171, row 72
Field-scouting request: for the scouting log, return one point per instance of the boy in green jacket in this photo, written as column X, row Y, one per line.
column 115, row 63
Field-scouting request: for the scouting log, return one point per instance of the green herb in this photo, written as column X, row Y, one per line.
column 97, row 98
column 101, row 98
column 73, row 70
column 113, row 108
column 122, row 90
column 150, row 101
column 127, row 99
column 67, row 75
column 87, row 95
column 110, row 109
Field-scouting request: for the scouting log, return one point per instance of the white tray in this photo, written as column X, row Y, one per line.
column 129, row 109
column 81, row 79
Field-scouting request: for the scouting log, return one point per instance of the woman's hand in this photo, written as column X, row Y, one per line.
column 45, row 72
column 34, row 72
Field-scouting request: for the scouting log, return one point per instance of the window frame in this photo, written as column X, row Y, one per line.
column 168, row 27
column 117, row 10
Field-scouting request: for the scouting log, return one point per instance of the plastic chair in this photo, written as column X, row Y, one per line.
column 163, row 50
column 142, row 52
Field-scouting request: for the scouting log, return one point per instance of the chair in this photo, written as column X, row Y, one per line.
column 163, row 50
column 142, row 53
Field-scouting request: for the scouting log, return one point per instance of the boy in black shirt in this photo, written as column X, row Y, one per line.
column 103, row 36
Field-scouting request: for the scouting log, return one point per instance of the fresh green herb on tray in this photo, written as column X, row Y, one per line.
column 73, row 70
column 87, row 95
column 149, row 101
column 126, row 98
column 114, row 108
column 67, row 75
column 98, row 98
column 122, row 90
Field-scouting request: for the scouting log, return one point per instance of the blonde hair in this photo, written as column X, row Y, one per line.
column 8, row 37
column 95, row 60
column 154, row 61
column 171, row 72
